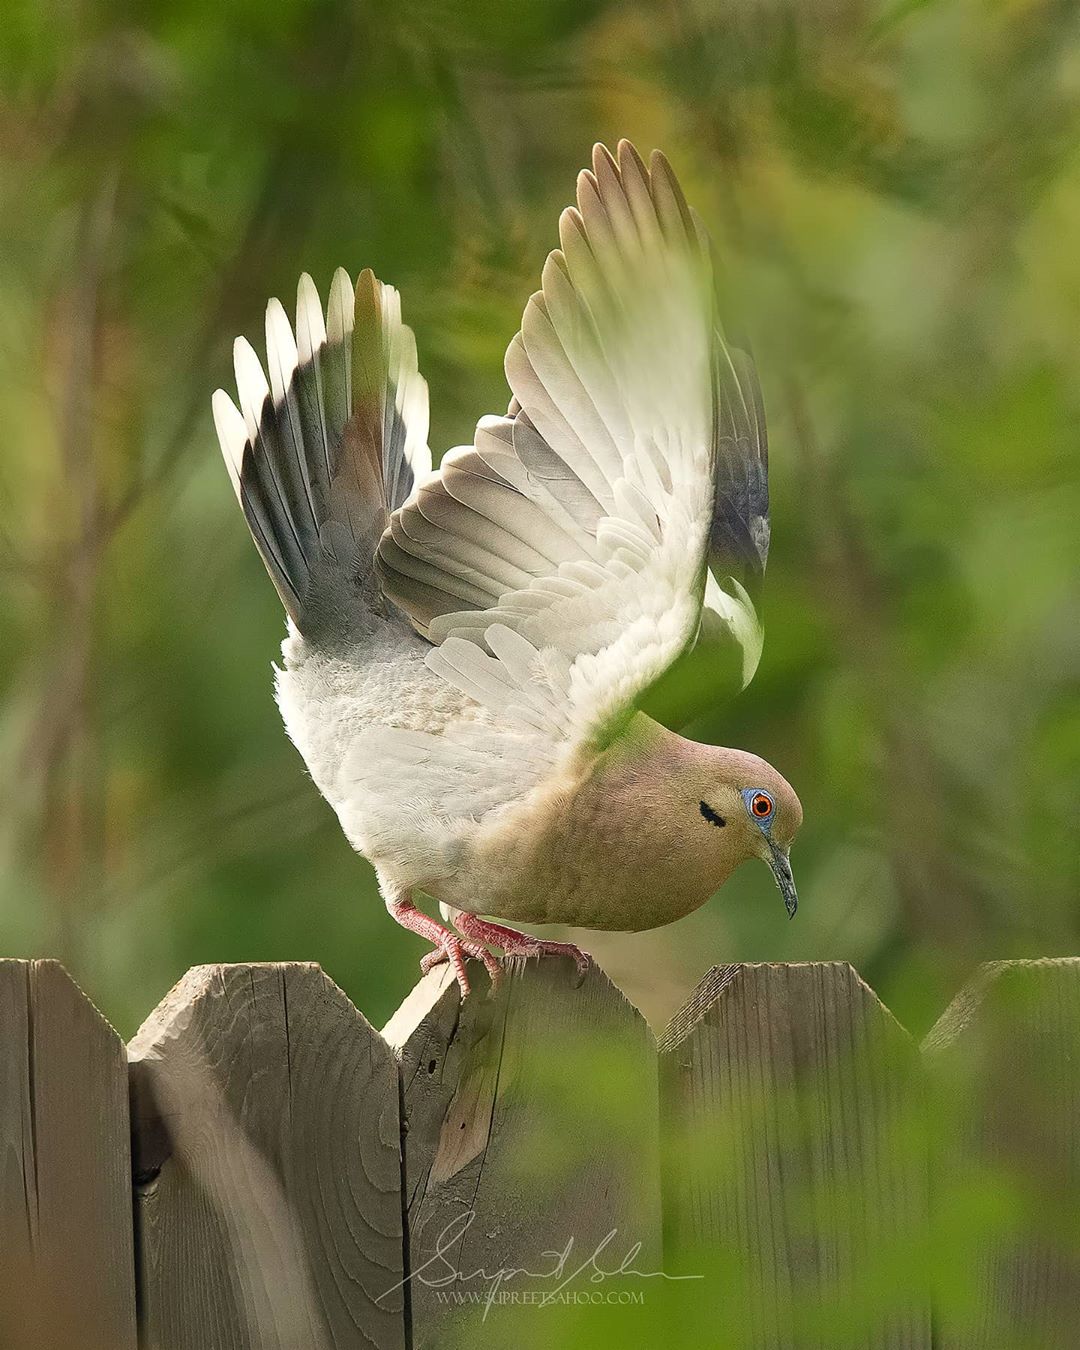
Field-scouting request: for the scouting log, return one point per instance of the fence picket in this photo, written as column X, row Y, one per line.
column 267, row 1162
column 794, row 1170
column 1004, row 1062
column 66, row 1264
column 531, row 1123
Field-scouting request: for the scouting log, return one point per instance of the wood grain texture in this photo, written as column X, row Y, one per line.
column 1004, row 1062
column 531, row 1122
column 67, row 1275
column 268, row 1161
column 793, row 1163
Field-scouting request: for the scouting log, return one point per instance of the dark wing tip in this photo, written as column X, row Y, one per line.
column 739, row 541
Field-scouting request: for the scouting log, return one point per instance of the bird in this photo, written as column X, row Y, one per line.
column 474, row 654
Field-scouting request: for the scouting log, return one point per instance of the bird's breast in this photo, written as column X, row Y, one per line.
column 570, row 855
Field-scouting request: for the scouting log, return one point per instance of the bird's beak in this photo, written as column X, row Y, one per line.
column 780, row 863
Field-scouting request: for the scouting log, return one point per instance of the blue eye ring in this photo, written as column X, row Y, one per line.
column 760, row 806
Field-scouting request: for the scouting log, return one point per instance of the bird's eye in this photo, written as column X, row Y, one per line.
column 759, row 804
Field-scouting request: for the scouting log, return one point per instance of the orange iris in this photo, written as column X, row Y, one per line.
column 761, row 806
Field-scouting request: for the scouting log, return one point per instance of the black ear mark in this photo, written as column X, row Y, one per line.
column 710, row 815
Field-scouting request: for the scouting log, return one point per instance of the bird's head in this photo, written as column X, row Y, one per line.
column 709, row 808
column 752, row 809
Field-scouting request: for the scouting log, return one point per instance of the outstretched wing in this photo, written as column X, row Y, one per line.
column 562, row 563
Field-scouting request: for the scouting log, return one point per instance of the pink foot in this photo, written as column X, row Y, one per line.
column 514, row 943
column 448, row 946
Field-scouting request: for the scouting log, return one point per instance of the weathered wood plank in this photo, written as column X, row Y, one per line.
column 268, row 1162
column 793, row 1162
column 67, row 1275
column 1004, row 1062
column 531, row 1122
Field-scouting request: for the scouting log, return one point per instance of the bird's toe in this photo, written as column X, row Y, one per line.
column 455, row 950
column 433, row 958
column 491, row 964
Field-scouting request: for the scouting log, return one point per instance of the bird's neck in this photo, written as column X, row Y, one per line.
column 646, row 749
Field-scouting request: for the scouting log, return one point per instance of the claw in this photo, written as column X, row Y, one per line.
column 455, row 950
column 448, row 946
column 514, row 943
column 583, row 961
column 476, row 935
column 491, row 963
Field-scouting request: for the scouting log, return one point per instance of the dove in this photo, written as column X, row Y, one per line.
column 474, row 654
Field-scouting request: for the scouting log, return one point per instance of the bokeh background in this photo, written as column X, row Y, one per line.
column 893, row 189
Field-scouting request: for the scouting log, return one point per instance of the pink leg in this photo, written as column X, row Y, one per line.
column 514, row 943
column 449, row 947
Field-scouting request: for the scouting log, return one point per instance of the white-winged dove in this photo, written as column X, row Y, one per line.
column 471, row 651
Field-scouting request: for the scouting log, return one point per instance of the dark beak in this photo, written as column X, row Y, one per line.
column 781, row 870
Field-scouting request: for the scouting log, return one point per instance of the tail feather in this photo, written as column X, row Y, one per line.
column 387, row 387
column 294, row 457
column 322, row 452
column 233, row 434
column 310, row 393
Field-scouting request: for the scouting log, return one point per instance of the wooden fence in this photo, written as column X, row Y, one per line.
column 260, row 1168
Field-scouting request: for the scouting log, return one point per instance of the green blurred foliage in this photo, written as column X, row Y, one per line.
column 894, row 197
